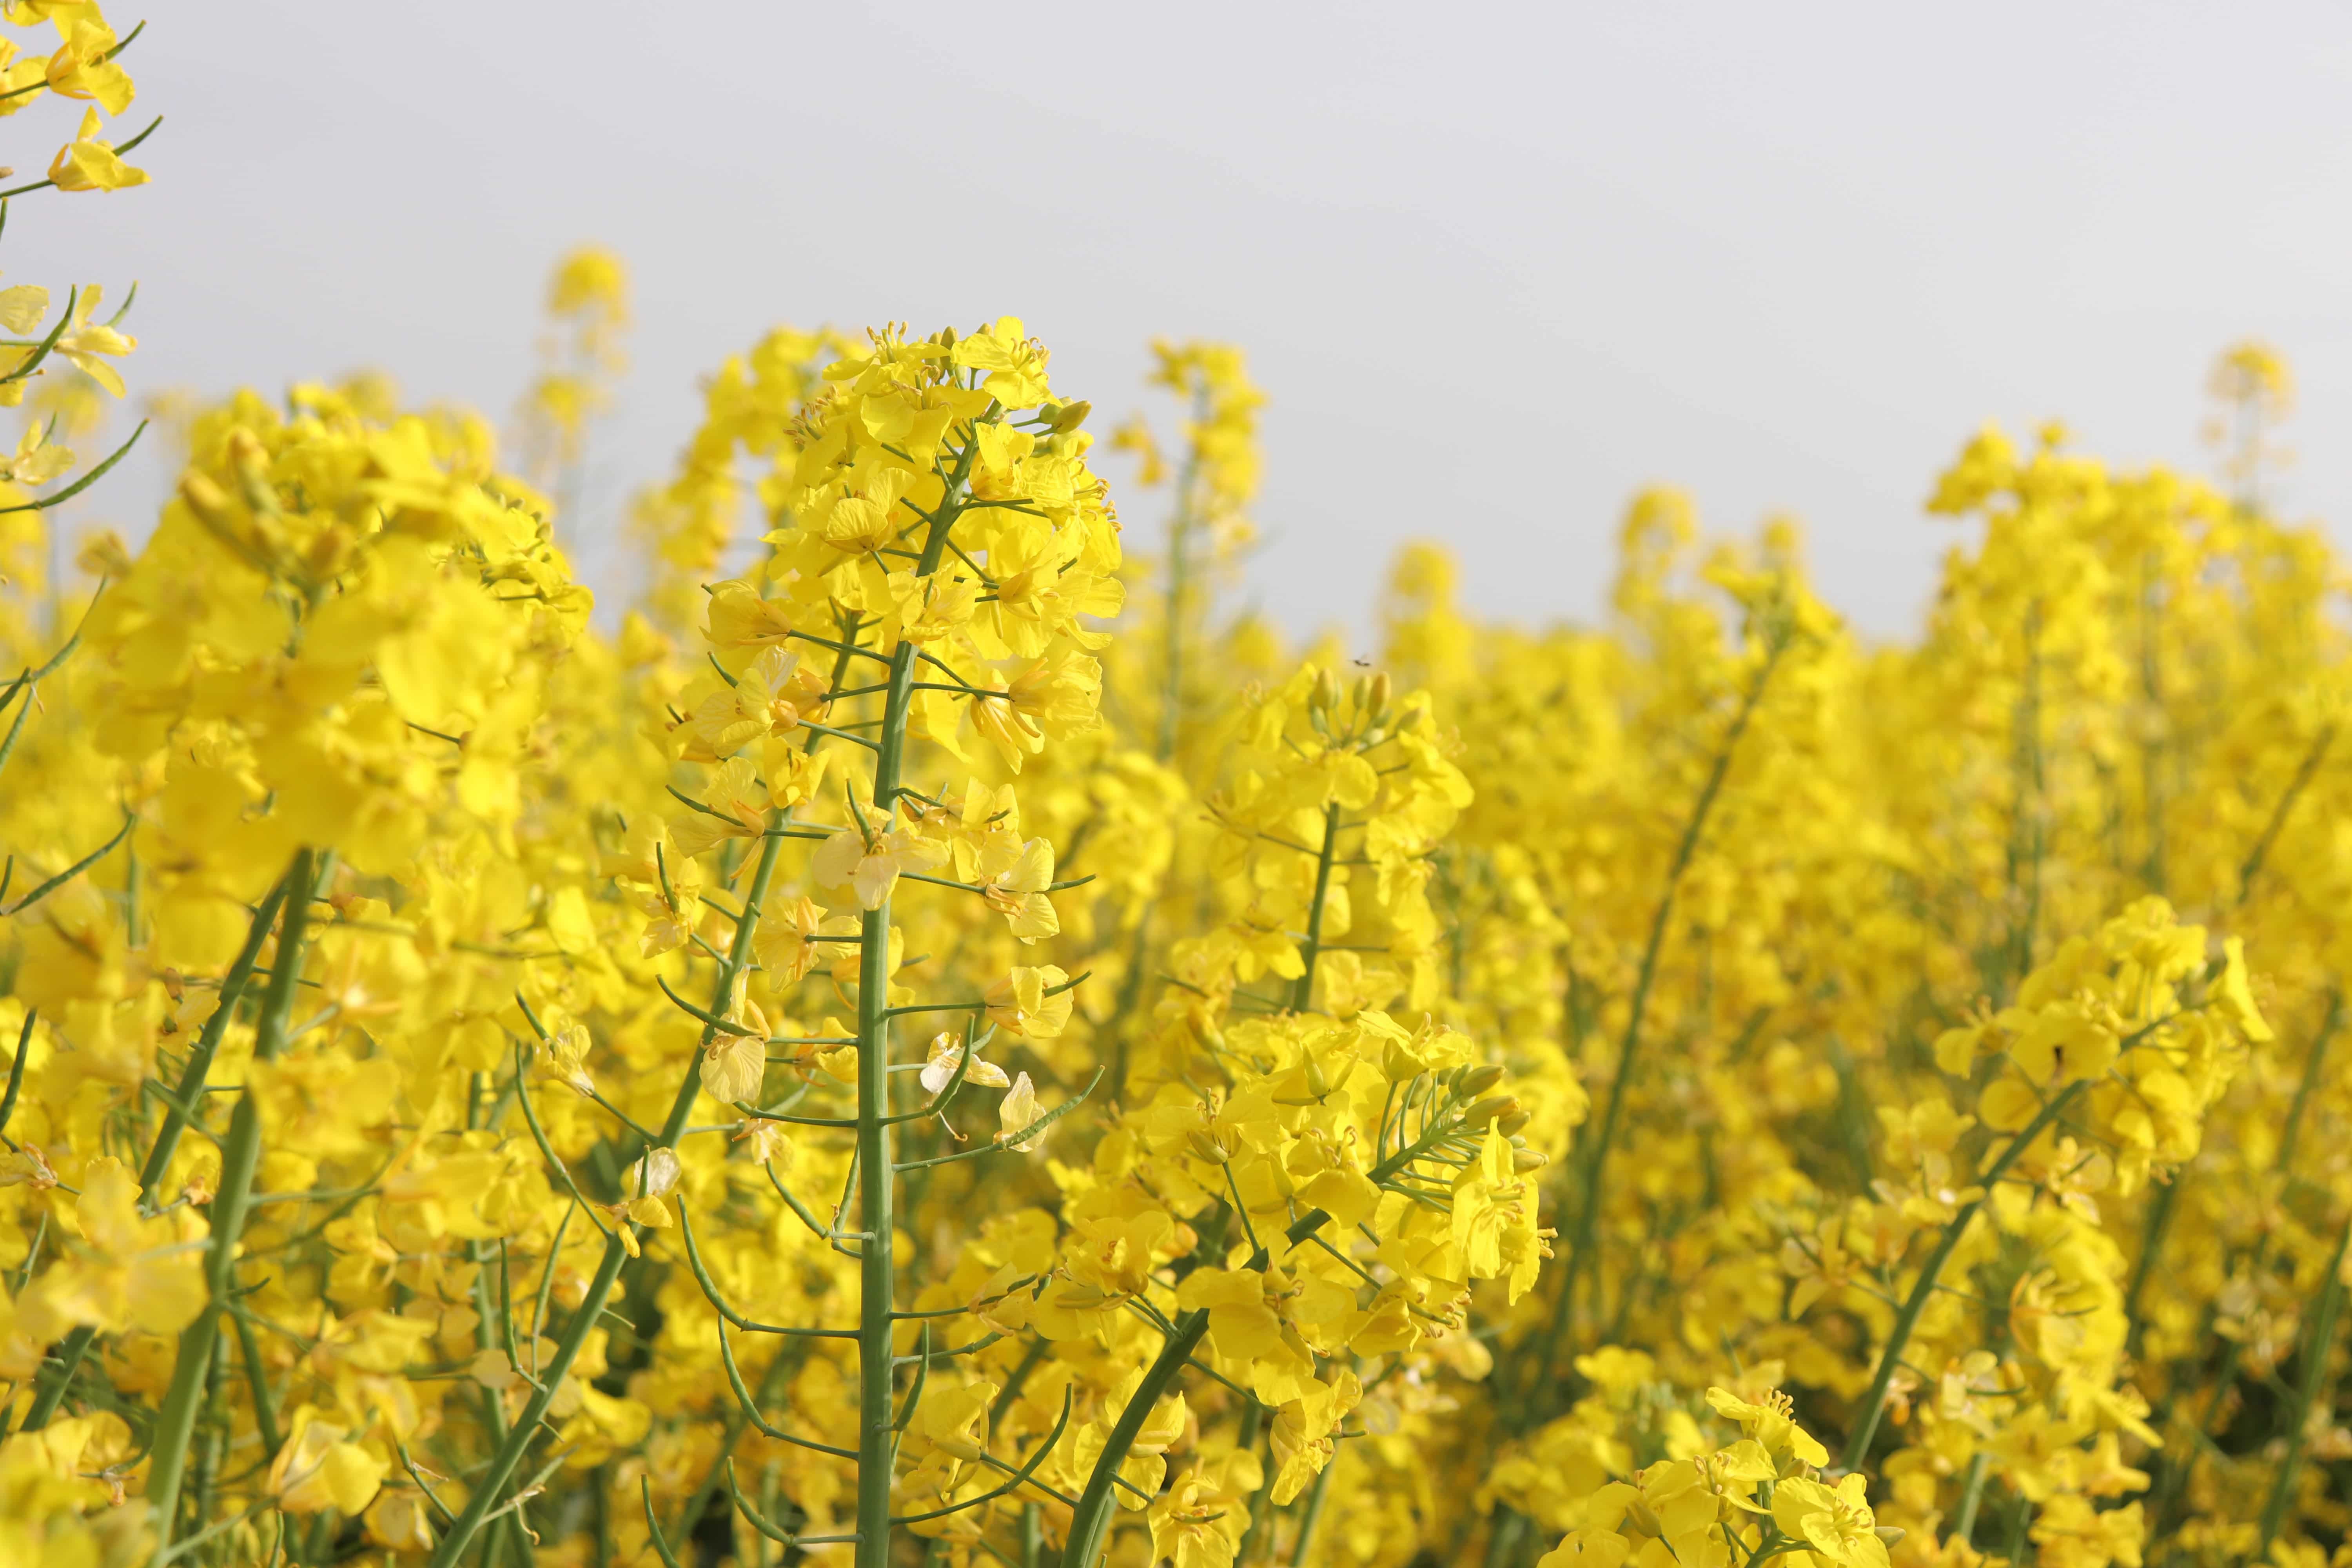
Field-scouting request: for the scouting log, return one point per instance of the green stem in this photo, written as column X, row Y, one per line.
column 1964, row 1523
column 265, row 1410
column 2318, row 1341
column 1587, row 1218
column 737, row 1424
column 240, row 1156
column 2160, row 1210
column 1265, row 1495
column 876, row 1262
column 1314, row 1514
column 200, row 1061
column 494, row 1476
column 1302, row 994
column 208, row 1457
column 1091, row 1522
column 877, row 1439
column 52, row 1392
column 2178, row 1476
column 1906, row 1317
column 2287, row 797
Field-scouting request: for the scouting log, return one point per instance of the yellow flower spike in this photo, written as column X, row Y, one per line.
column 1923, row 1095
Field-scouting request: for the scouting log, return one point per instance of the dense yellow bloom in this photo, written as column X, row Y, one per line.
column 918, row 1038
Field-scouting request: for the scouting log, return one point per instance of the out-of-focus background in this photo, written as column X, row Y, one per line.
column 1496, row 265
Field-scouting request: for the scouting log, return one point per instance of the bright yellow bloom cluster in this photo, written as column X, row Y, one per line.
column 924, row 1043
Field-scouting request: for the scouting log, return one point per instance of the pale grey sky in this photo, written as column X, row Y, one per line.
column 1496, row 265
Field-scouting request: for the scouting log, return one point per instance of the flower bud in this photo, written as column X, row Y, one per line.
column 1326, row 693
column 1479, row 1080
column 1379, row 697
column 1397, row 1064
column 1525, row 1160
column 1488, row 1109
column 1889, row 1533
column 251, row 461
column 1070, row 416
column 1515, row 1123
column 205, row 499
column 1204, row 1148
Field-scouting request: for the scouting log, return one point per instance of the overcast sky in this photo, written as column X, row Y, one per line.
column 1497, row 266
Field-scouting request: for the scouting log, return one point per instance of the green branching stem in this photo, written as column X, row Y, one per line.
column 2318, row 1341
column 1314, row 1514
column 1906, row 1317
column 877, row 1260
column 552, row 1373
column 2311, row 758
column 1964, row 1521
column 240, row 1156
column 200, row 1061
column 1302, row 994
column 2166, row 1204
column 2178, row 1473
column 167, row 1137
column 1091, row 1522
column 1587, row 1218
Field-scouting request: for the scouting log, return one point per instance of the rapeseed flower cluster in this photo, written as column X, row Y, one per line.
column 924, row 1039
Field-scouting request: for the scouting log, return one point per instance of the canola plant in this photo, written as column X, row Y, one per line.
column 922, row 1039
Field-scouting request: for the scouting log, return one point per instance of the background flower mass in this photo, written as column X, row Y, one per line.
column 921, row 1035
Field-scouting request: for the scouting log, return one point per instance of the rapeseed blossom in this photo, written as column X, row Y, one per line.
column 922, row 1039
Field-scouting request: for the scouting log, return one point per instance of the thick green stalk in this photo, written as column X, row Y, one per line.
column 200, row 1061
column 1314, row 1514
column 494, row 1476
column 2287, row 797
column 2166, row 1201
column 2161, row 1207
column 1091, row 1522
column 2318, row 1341
column 240, row 1156
column 876, row 1267
column 1587, row 1218
column 77, row 1344
column 1964, row 1523
column 1906, row 1317
column 52, row 1390
column 877, row 1182
column 2177, row 1477
column 1302, row 994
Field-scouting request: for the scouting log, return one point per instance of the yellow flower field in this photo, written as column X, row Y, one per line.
column 923, row 1037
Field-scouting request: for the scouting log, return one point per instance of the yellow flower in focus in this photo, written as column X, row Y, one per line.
column 87, row 163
